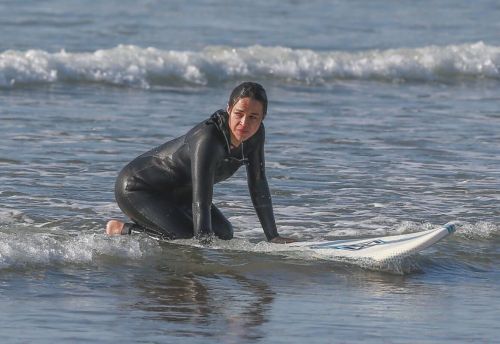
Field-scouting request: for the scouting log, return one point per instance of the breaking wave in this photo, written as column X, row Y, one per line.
column 128, row 65
column 24, row 242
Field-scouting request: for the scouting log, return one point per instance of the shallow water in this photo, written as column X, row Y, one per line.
column 383, row 120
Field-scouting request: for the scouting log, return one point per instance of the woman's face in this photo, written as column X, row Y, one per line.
column 244, row 119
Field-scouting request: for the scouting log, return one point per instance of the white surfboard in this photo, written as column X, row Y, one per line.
column 377, row 249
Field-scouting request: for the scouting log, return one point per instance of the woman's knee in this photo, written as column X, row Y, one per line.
column 221, row 226
column 225, row 233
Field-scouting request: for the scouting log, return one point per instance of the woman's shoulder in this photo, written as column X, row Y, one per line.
column 207, row 132
column 205, row 127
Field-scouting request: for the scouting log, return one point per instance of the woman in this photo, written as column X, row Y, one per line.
column 167, row 192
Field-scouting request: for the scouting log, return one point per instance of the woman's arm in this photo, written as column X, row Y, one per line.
column 205, row 150
column 259, row 191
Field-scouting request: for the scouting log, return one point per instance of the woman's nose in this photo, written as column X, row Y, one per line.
column 243, row 120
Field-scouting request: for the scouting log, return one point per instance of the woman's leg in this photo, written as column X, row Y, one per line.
column 155, row 214
column 220, row 225
column 166, row 219
column 163, row 218
column 158, row 215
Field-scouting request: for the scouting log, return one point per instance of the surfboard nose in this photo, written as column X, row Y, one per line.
column 450, row 227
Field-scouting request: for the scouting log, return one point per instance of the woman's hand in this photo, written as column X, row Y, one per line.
column 282, row 240
column 205, row 239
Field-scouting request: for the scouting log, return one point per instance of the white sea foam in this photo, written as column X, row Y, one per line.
column 32, row 246
column 22, row 248
column 477, row 231
column 23, row 243
column 136, row 66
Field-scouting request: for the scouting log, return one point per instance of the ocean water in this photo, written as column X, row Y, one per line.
column 384, row 118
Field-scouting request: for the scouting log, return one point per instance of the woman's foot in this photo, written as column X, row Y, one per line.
column 114, row 227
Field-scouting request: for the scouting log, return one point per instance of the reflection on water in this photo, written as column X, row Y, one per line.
column 197, row 293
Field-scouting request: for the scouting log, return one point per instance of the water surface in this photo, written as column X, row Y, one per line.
column 383, row 119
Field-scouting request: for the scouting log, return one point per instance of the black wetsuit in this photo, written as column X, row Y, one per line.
column 168, row 190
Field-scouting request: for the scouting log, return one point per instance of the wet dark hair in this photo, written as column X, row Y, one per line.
column 251, row 90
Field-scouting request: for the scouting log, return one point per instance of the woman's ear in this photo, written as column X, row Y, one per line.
column 228, row 110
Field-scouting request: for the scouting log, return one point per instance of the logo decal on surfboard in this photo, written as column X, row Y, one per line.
column 350, row 247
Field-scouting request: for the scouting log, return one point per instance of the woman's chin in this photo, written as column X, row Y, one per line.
column 241, row 138
column 245, row 137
